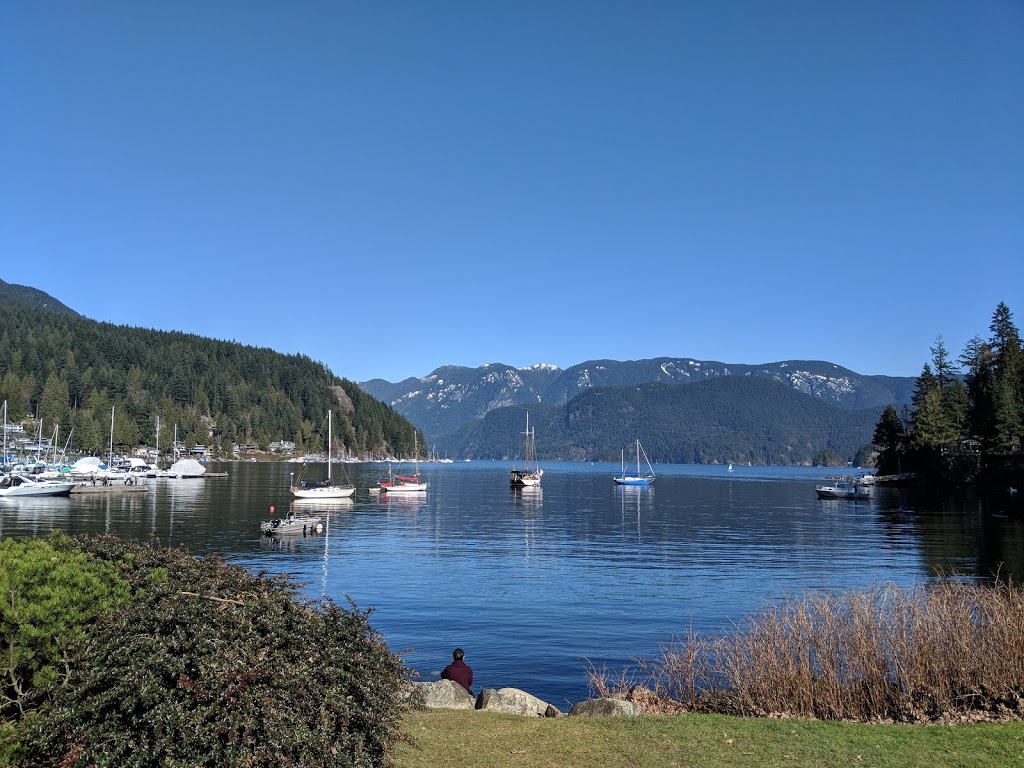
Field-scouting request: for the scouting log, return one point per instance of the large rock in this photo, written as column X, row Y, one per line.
column 442, row 694
column 604, row 708
column 514, row 702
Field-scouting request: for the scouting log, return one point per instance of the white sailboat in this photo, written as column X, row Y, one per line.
column 405, row 483
column 327, row 489
column 530, row 474
column 638, row 479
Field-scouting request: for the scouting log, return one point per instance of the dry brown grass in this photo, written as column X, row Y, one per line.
column 946, row 651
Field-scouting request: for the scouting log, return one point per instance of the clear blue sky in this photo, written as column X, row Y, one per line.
column 389, row 187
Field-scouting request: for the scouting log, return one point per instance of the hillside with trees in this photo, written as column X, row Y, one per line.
column 966, row 420
column 68, row 370
column 719, row 420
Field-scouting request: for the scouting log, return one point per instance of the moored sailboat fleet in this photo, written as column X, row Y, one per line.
column 52, row 476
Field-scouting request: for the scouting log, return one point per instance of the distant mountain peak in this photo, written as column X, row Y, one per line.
column 541, row 367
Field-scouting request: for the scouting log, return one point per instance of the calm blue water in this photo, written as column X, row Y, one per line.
column 533, row 584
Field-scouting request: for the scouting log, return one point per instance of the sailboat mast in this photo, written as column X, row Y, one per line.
column 329, row 441
column 110, row 461
column 527, row 441
column 638, row 457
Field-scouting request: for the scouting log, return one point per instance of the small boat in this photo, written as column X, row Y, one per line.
column 325, row 490
column 530, row 474
column 16, row 486
column 730, row 469
column 405, row 483
column 291, row 524
column 638, row 479
column 843, row 487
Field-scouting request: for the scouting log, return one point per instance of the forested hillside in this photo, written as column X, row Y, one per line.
column 33, row 297
column 724, row 419
column 70, row 370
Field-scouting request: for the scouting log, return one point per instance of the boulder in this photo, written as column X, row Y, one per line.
column 604, row 708
column 514, row 702
column 442, row 694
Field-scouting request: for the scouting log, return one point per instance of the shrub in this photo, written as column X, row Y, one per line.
column 49, row 596
column 210, row 665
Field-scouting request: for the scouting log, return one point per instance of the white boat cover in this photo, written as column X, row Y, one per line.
column 186, row 468
column 88, row 465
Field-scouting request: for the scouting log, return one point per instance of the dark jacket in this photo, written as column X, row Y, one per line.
column 461, row 673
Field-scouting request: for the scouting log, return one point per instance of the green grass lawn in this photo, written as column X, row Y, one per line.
column 471, row 739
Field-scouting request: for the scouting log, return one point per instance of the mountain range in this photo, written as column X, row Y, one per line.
column 692, row 410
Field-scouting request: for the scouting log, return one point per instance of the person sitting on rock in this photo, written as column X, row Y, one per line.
column 459, row 671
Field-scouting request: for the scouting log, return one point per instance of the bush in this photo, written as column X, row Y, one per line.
column 210, row 665
column 49, row 596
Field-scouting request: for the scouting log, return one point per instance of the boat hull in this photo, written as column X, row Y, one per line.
column 403, row 488
column 16, row 486
column 832, row 492
column 633, row 480
column 523, row 479
column 325, row 493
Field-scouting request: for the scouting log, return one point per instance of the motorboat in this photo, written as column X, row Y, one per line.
column 843, row 487
column 291, row 524
column 15, row 486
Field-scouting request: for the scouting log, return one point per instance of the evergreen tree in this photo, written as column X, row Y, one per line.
column 1008, row 382
column 891, row 438
column 978, row 362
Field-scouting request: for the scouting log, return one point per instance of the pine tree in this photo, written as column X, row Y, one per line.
column 891, row 438
column 1008, row 382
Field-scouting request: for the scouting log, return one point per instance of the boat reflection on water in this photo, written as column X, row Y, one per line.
column 302, row 507
column 301, row 542
column 401, row 502
column 631, row 499
column 39, row 514
column 529, row 498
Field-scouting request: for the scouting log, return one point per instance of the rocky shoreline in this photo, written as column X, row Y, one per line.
column 447, row 694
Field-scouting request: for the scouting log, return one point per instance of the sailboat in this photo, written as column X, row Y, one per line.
column 404, row 483
column 530, row 474
column 730, row 469
column 327, row 489
column 637, row 479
